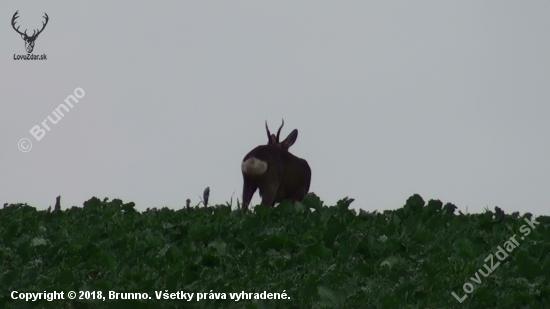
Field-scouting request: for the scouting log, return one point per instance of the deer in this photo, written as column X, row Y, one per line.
column 277, row 173
column 29, row 40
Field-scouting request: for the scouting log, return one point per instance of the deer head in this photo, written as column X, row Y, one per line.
column 277, row 173
column 274, row 139
column 29, row 40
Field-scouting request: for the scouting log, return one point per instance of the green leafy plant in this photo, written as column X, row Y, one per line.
column 307, row 255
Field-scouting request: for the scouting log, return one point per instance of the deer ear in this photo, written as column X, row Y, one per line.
column 290, row 139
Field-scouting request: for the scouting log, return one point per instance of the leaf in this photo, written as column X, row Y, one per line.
column 330, row 298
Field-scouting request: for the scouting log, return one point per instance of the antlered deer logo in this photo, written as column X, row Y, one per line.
column 29, row 40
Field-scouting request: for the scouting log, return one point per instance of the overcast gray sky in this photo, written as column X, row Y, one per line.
column 449, row 100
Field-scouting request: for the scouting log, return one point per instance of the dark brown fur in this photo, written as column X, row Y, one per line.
column 286, row 176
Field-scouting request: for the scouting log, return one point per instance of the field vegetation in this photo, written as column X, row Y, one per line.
column 303, row 255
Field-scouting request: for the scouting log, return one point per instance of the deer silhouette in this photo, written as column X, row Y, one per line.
column 273, row 170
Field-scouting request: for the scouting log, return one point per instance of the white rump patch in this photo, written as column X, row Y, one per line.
column 254, row 166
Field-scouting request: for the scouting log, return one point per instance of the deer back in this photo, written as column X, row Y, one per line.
column 296, row 178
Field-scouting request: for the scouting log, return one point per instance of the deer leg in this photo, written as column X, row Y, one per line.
column 269, row 193
column 300, row 195
column 249, row 187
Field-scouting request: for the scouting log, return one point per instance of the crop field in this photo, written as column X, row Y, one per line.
column 303, row 255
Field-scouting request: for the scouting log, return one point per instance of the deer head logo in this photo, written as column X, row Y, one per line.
column 277, row 173
column 29, row 40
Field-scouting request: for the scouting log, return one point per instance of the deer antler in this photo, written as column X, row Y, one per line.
column 43, row 25
column 279, row 131
column 268, row 133
column 13, row 24
column 34, row 33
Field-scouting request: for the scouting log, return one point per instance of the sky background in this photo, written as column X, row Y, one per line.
column 449, row 100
